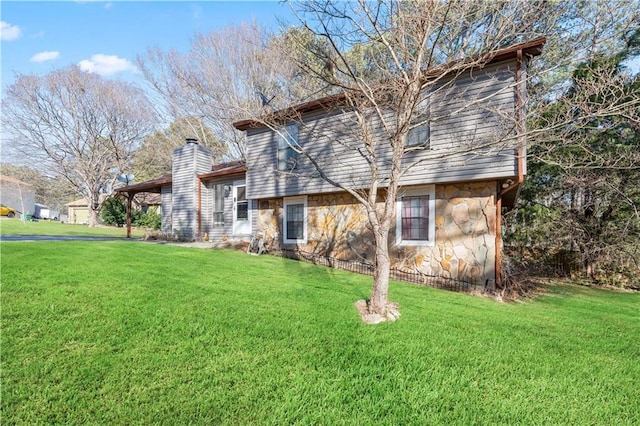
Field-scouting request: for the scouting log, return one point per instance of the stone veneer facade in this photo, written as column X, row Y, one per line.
column 337, row 226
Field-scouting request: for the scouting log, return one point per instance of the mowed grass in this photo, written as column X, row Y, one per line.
column 136, row 333
column 15, row 226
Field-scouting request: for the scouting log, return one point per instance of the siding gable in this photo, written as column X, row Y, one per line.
column 470, row 138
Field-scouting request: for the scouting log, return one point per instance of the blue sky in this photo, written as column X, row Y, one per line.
column 105, row 36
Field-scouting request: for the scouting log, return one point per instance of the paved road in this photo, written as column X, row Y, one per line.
column 60, row 238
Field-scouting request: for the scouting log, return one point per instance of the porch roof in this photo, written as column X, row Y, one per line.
column 154, row 185
column 224, row 169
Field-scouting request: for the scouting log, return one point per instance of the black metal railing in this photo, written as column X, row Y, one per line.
column 367, row 268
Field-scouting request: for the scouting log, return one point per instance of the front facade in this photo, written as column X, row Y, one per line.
column 457, row 239
column 467, row 163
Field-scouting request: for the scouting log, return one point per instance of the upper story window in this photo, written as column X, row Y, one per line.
column 415, row 216
column 287, row 140
column 420, row 127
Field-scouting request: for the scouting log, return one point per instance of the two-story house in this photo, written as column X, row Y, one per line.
column 466, row 162
column 464, row 166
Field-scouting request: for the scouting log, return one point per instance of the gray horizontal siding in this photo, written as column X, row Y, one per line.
column 167, row 223
column 188, row 162
column 471, row 131
column 462, row 168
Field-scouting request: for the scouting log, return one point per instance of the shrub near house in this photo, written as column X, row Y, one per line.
column 114, row 212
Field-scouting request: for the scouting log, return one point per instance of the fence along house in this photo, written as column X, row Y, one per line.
column 448, row 215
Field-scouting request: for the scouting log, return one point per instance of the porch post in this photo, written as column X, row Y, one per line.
column 129, row 199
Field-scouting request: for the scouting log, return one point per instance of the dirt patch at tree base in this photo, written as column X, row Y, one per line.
column 369, row 316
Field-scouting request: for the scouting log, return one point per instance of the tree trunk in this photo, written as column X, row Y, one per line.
column 378, row 302
column 93, row 217
column 93, row 211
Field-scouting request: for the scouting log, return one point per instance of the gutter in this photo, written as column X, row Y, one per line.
column 520, row 167
column 199, row 183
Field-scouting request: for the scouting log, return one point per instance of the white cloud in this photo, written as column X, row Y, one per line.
column 107, row 4
column 9, row 32
column 106, row 64
column 44, row 56
column 196, row 11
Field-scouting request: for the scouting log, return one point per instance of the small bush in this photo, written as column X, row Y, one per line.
column 114, row 212
column 150, row 219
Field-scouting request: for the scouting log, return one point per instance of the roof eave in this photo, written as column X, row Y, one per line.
column 530, row 48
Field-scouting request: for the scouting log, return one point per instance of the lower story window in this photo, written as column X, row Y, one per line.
column 295, row 220
column 218, row 204
column 415, row 216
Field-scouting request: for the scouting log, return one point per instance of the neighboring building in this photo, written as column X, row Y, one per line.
column 17, row 194
column 201, row 199
column 148, row 202
column 448, row 212
column 78, row 212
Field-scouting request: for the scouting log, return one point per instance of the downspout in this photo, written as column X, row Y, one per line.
column 199, row 183
column 519, row 166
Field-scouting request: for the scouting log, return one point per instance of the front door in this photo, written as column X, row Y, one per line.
column 241, row 219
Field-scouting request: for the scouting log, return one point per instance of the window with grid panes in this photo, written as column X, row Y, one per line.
column 415, row 216
column 295, row 220
column 218, row 204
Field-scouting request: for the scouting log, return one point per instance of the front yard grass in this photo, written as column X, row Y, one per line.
column 135, row 333
column 16, row 226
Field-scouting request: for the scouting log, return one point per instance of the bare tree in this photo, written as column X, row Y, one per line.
column 224, row 74
column 155, row 157
column 386, row 61
column 78, row 126
column 582, row 194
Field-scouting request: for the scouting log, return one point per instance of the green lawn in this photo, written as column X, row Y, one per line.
column 44, row 227
column 136, row 333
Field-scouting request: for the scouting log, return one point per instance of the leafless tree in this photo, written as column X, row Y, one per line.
column 76, row 125
column 223, row 75
column 155, row 157
column 385, row 59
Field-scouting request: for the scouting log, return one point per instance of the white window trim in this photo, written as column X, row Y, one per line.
column 214, row 188
column 429, row 190
column 288, row 201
